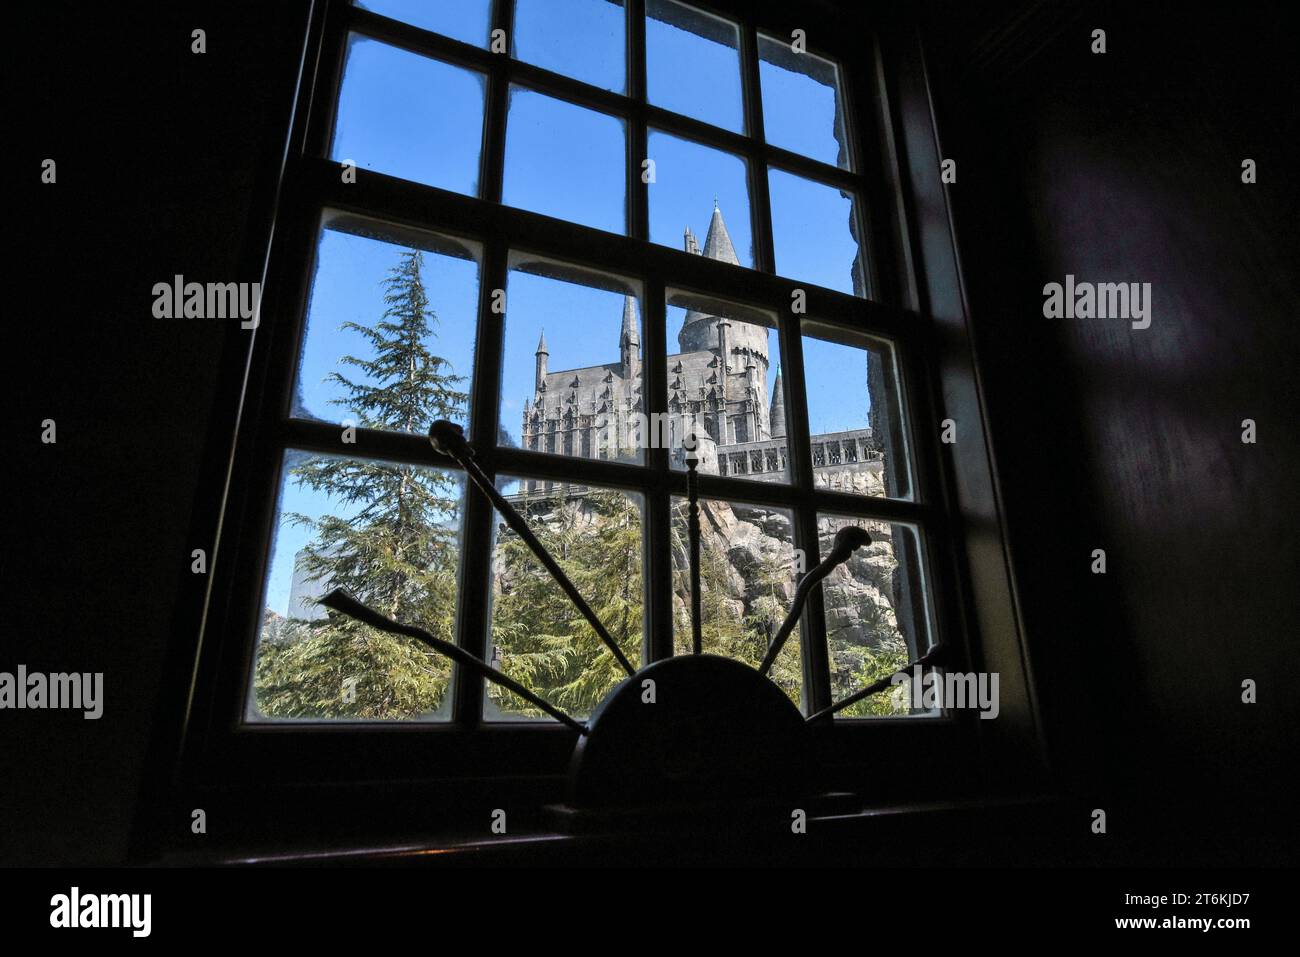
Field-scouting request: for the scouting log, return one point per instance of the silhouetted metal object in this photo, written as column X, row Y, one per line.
column 449, row 439
column 691, row 445
column 693, row 731
column 847, row 539
column 342, row 600
column 680, row 734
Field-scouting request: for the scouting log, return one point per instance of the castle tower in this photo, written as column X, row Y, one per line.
column 629, row 341
column 543, row 356
column 776, row 415
column 699, row 331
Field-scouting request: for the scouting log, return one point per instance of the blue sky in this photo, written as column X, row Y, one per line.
column 413, row 117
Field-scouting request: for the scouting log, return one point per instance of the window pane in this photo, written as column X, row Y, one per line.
column 803, row 106
column 409, row 116
column 693, row 64
column 390, row 534
column 876, row 619
column 464, row 20
column 692, row 181
column 815, row 233
column 565, row 161
column 538, row 637
column 571, row 381
column 747, row 582
column 854, row 413
column 725, row 385
column 583, row 39
column 389, row 341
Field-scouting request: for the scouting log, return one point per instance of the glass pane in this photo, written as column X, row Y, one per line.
column 876, row 619
column 692, row 181
column 464, row 20
column 747, row 581
column 725, row 385
column 389, row 341
column 803, row 106
column 571, row 381
column 390, row 534
column 815, row 233
column 538, row 637
column 583, row 39
column 854, row 414
column 693, row 64
column 565, row 161
column 409, row 116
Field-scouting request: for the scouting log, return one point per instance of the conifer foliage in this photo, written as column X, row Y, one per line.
column 396, row 545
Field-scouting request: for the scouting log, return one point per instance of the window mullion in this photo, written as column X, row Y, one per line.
column 473, row 620
column 638, row 191
column 473, row 616
column 654, row 388
column 492, row 156
column 760, row 207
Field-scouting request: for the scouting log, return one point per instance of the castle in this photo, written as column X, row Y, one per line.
column 717, row 388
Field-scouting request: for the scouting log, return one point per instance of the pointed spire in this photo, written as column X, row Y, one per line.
column 776, row 414
column 541, row 345
column 631, row 334
column 717, row 243
column 690, row 243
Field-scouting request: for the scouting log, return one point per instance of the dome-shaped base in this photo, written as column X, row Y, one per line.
column 691, row 730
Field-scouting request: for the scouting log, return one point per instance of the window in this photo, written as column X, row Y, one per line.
column 584, row 245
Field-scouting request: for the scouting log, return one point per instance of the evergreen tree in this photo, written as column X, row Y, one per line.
column 398, row 551
column 538, row 637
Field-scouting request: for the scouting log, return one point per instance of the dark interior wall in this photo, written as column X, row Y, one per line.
column 162, row 169
column 1126, row 166
column 1122, row 167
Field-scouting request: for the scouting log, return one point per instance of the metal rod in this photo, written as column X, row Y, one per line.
column 691, row 445
column 846, row 540
column 878, row 686
column 449, row 439
column 341, row 600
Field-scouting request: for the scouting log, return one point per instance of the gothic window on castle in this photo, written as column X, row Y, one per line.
column 656, row 226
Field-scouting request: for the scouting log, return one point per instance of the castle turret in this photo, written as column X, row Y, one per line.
column 717, row 242
column 543, row 356
column 629, row 341
column 776, row 415
column 699, row 330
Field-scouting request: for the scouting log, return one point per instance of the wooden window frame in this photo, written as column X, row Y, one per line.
column 916, row 302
